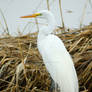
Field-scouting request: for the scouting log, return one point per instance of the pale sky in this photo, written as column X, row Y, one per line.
column 13, row 9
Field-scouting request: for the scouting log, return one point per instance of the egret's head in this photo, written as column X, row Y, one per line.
column 42, row 14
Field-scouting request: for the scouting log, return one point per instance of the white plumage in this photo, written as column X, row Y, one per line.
column 59, row 63
column 55, row 56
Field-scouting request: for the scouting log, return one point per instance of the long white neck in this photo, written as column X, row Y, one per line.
column 45, row 31
column 51, row 24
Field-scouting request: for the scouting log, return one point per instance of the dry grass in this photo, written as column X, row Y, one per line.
column 22, row 68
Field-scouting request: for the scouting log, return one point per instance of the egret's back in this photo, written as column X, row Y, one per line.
column 59, row 63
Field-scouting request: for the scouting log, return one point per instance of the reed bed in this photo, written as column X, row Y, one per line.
column 22, row 68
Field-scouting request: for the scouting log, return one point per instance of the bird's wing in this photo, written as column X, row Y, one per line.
column 58, row 62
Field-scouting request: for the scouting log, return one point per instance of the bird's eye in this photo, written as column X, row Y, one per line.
column 40, row 14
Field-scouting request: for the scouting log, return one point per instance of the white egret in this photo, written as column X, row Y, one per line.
column 55, row 56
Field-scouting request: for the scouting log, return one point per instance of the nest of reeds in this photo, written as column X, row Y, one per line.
column 22, row 68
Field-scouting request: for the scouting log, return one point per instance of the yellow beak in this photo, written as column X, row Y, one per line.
column 31, row 16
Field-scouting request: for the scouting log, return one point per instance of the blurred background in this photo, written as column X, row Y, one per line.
column 74, row 13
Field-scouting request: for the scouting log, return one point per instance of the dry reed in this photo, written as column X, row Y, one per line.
column 22, row 68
